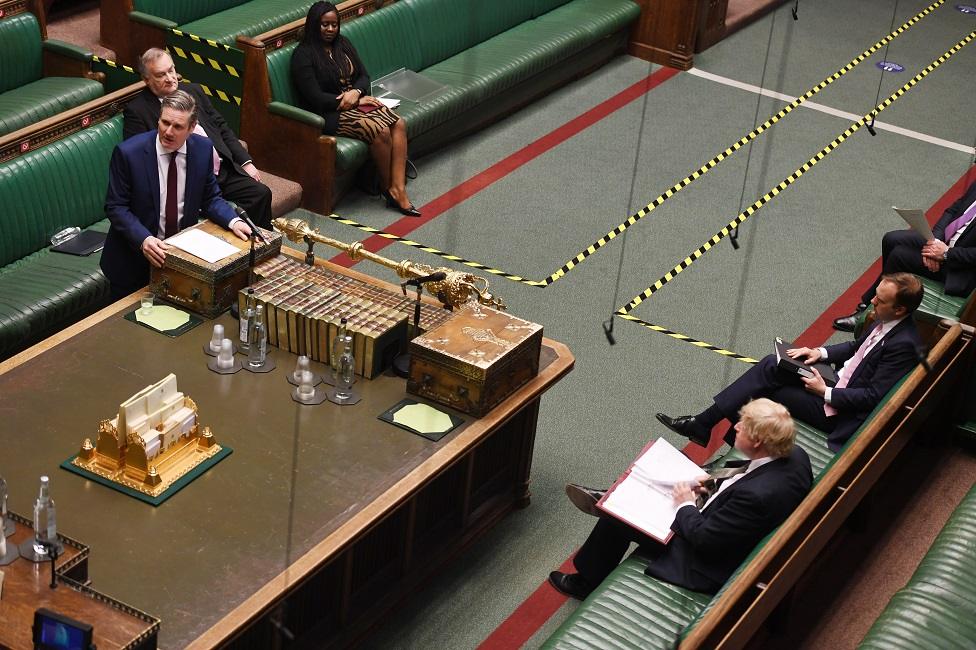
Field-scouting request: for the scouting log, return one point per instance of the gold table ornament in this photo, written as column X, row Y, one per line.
column 149, row 461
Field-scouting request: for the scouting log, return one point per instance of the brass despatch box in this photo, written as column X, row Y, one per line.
column 204, row 288
column 475, row 360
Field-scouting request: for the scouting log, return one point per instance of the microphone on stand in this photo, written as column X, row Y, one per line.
column 250, row 224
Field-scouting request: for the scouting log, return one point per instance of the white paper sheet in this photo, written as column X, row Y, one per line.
column 204, row 245
column 389, row 103
column 916, row 219
column 643, row 498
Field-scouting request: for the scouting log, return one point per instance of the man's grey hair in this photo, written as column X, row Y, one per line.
column 149, row 56
column 182, row 101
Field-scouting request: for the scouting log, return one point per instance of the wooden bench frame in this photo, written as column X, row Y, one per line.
column 739, row 612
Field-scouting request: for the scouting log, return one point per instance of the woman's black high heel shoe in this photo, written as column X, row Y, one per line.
column 391, row 203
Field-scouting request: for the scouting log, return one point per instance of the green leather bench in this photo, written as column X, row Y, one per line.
column 937, row 608
column 43, row 191
column 492, row 57
column 218, row 20
column 633, row 611
column 26, row 95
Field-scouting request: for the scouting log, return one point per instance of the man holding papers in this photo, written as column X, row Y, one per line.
column 708, row 543
column 159, row 183
column 949, row 258
column 872, row 364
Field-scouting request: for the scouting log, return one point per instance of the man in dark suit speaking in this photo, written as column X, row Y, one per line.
column 236, row 174
column 708, row 542
column 159, row 182
column 950, row 258
column 872, row 365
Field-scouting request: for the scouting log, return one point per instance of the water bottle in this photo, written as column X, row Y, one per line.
column 258, row 338
column 247, row 320
column 337, row 348
column 45, row 524
column 345, row 372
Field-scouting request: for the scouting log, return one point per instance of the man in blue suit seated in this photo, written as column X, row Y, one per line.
column 710, row 541
column 159, row 183
column 872, row 364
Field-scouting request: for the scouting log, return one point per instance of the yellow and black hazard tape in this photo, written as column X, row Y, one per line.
column 196, row 58
column 687, row 339
column 201, row 40
column 674, row 189
column 792, row 178
column 114, row 64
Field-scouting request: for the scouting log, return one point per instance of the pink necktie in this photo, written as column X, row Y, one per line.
column 959, row 222
column 216, row 158
column 852, row 366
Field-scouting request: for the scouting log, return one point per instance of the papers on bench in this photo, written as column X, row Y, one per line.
column 388, row 102
column 798, row 367
column 916, row 219
column 641, row 497
column 204, row 245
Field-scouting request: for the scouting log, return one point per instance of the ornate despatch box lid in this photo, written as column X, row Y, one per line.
column 479, row 340
column 213, row 272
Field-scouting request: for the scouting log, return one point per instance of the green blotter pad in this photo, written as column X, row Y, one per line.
column 422, row 419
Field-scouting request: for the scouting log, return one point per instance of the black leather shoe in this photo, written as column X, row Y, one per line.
column 584, row 498
column 687, row 426
column 571, row 584
column 391, row 203
column 849, row 322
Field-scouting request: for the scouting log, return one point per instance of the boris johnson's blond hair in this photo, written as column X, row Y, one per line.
column 770, row 424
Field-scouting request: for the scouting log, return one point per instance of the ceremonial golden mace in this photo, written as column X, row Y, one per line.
column 455, row 289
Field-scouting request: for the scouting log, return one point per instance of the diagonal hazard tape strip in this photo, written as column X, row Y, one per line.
column 113, row 64
column 220, row 94
column 196, row 58
column 687, row 339
column 677, row 187
column 792, row 178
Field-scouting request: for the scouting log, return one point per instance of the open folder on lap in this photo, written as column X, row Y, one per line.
column 641, row 497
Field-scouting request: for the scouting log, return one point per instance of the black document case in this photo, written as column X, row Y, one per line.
column 797, row 367
column 84, row 243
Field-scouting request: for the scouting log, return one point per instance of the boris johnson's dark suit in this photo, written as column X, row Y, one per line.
column 886, row 363
column 142, row 114
column 132, row 205
column 901, row 251
column 707, row 545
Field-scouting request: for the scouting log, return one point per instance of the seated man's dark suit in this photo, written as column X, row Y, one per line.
column 142, row 114
column 707, row 545
column 886, row 363
column 901, row 251
column 132, row 205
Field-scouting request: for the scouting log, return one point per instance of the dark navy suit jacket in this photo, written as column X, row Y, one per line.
column 960, row 265
column 887, row 362
column 708, row 545
column 132, row 204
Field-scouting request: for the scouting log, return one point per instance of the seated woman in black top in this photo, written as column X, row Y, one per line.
column 333, row 82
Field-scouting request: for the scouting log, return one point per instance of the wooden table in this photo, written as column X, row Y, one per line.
column 323, row 518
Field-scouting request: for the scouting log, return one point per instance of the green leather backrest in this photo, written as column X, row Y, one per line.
column 279, row 75
column 544, row 6
column 385, row 40
column 184, row 11
column 61, row 184
column 20, row 51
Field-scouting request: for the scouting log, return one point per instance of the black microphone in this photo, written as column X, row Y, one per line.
column 439, row 276
column 923, row 358
column 250, row 224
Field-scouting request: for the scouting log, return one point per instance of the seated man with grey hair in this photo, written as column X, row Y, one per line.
column 159, row 183
column 708, row 542
column 236, row 174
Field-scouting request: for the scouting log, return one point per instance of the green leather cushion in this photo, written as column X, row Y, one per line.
column 248, row 18
column 183, row 11
column 385, row 40
column 61, row 184
column 629, row 610
column 936, row 305
column 20, row 52
column 45, row 292
column 920, row 621
column 43, row 98
column 540, row 7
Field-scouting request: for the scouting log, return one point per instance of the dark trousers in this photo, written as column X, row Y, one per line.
column 252, row 197
column 764, row 379
column 901, row 250
column 606, row 546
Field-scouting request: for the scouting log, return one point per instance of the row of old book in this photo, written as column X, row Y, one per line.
column 304, row 306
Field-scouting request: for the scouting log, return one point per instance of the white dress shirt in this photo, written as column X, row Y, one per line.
column 753, row 465
column 162, row 165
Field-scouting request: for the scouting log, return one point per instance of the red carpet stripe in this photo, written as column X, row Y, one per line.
column 533, row 613
column 506, row 166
